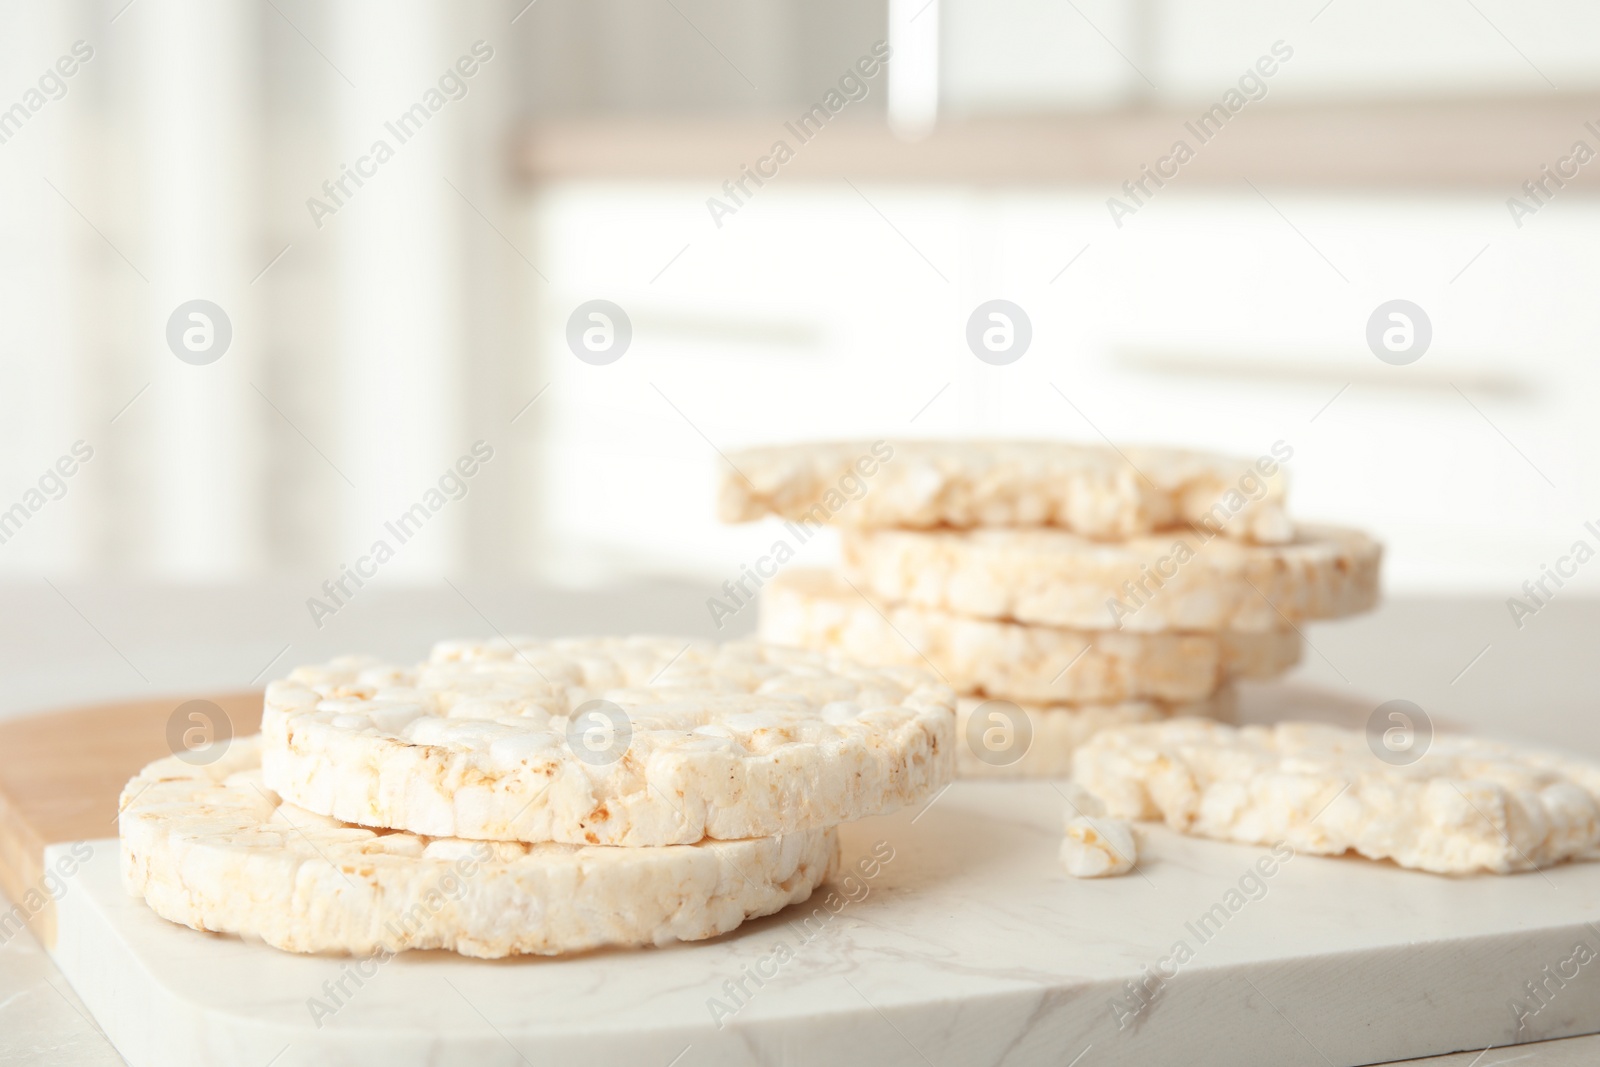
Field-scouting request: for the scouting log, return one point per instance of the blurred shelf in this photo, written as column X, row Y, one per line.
column 1458, row 144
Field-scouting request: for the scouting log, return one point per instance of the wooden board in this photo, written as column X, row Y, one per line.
column 60, row 776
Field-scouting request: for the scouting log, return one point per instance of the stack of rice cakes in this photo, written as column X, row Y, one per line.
column 1060, row 589
column 533, row 796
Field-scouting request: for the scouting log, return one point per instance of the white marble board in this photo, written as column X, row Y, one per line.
column 970, row 946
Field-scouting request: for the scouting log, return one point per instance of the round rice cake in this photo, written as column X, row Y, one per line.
column 996, row 658
column 1092, row 490
column 1004, row 739
column 1178, row 580
column 213, row 848
column 607, row 741
column 1463, row 804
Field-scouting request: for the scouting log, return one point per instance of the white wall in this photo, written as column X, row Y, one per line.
column 1011, row 55
column 414, row 322
column 1205, row 321
column 178, row 165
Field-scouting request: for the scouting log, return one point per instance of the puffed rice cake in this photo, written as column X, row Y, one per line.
column 723, row 741
column 1466, row 804
column 213, row 848
column 1091, row 490
column 992, row 657
column 1175, row 580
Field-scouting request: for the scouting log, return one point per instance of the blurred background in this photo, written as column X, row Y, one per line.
column 391, row 307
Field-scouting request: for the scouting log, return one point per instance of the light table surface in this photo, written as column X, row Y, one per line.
column 1463, row 661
